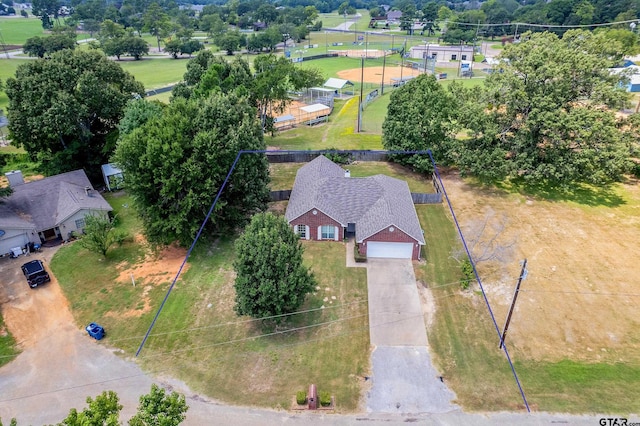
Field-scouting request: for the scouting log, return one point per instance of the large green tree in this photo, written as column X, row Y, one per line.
column 156, row 22
column 547, row 113
column 421, row 116
column 60, row 39
column 270, row 276
column 157, row 408
column 63, row 110
column 176, row 163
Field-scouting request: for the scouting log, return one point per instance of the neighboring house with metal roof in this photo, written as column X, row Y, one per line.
column 327, row 204
column 46, row 209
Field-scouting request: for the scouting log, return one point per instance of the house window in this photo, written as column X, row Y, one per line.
column 464, row 57
column 80, row 223
column 328, row 232
column 302, row 231
column 454, row 57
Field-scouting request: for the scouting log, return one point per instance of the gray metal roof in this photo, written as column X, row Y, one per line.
column 372, row 203
column 48, row 202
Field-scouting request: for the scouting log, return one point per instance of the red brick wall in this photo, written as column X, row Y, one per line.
column 397, row 236
column 313, row 221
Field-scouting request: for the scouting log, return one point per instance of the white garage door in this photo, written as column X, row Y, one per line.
column 390, row 250
column 17, row 241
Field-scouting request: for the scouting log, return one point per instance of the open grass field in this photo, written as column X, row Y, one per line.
column 157, row 72
column 574, row 333
column 8, row 69
column 16, row 31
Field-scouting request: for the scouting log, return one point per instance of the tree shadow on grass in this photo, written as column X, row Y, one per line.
column 583, row 194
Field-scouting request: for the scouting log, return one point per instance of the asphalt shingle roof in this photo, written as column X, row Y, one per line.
column 372, row 203
column 48, row 202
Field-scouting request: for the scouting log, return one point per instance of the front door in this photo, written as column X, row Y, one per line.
column 49, row 234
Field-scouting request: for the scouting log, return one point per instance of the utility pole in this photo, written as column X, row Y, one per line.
column 473, row 53
column 523, row 275
column 361, row 88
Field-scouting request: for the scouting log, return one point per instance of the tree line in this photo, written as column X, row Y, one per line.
column 439, row 14
column 547, row 115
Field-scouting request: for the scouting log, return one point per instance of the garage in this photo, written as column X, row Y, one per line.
column 7, row 243
column 390, row 250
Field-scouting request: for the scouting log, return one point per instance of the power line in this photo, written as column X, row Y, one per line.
column 510, row 24
column 244, row 321
column 594, row 293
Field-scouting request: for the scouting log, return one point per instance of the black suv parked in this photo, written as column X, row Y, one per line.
column 35, row 273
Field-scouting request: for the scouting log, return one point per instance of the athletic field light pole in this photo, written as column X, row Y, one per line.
column 361, row 88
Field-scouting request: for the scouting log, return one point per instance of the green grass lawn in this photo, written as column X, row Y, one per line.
column 8, row 69
column 154, row 73
column 199, row 338
column 8, row 348
column 17, row 30
column 375, row 112
column 339, row 133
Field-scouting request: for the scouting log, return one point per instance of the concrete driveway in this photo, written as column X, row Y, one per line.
column 395, row 313
column 403, row 377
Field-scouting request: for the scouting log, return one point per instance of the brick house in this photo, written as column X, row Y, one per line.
column 378, row 211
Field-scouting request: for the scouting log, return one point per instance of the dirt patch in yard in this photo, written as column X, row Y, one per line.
column 157, row 267
column 579, row 300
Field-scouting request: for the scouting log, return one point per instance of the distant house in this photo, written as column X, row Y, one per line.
column 326, row 203
column 259, row 26
column 47, row 209
column 394, row 15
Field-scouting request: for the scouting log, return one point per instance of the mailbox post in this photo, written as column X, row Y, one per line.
column 313, row 397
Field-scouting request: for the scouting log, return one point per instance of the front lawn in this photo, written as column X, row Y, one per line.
column 198, row 337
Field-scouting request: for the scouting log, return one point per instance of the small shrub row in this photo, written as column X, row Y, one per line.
column 325, row 398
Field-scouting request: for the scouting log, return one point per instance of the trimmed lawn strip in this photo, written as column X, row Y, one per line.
column 462, row 337
column 8, row 348
column 199, row 338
